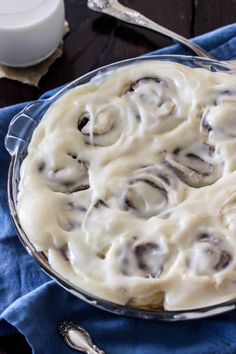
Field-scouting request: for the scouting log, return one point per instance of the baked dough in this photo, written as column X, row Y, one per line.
column 129, row 186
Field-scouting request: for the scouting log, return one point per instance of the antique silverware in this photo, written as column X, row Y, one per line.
column 115, row 9
column 77, row 338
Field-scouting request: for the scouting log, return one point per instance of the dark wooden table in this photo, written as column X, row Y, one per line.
column 96, row 40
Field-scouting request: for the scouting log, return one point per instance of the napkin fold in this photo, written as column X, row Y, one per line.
column 33, row 304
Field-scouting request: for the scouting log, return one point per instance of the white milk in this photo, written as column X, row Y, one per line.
column 12, row 6
column 30, row 30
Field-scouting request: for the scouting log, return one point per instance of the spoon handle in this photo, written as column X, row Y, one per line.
column 115, row 9
column 77, row 338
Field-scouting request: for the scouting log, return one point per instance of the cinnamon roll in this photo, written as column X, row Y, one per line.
column 150, row 191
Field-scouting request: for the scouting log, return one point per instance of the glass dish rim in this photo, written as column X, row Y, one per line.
column 40, row 257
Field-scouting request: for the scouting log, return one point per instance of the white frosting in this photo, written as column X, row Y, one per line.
column 129, row 186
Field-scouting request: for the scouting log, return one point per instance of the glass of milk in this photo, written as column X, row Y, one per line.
column 30, row 30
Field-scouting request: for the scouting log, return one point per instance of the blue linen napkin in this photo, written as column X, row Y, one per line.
column 34, row 304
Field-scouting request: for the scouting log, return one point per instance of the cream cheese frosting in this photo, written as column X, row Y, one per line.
column 129, row 186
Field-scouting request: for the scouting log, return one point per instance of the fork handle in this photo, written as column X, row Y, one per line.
column 115, row 9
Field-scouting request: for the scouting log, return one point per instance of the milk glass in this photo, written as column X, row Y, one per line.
column 30, row 30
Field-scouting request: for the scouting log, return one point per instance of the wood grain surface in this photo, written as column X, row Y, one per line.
column 96, row 40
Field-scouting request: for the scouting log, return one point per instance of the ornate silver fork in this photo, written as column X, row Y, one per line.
column 115, row 9
column 77, row 338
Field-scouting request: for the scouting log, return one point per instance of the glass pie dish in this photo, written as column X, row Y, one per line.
column 17, row 140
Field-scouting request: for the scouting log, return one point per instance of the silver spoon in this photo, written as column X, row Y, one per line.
column 77, row 338
column 115, row 9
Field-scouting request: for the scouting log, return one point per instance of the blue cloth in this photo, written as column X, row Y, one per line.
column 34, row 304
